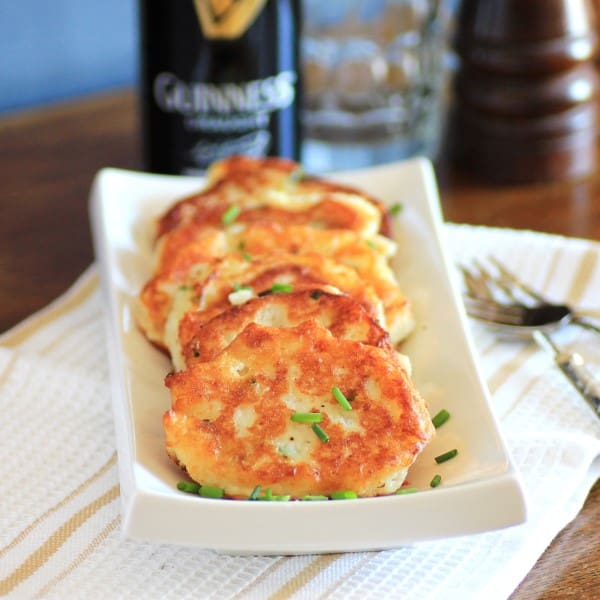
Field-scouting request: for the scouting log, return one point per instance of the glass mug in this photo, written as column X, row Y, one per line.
column 372, row 73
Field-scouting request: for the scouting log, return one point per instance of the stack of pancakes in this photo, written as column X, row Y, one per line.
column 270, row 290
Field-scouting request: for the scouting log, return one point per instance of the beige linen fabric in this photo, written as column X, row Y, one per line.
column 59, row 491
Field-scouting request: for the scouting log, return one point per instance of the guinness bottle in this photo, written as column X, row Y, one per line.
column 218, row 77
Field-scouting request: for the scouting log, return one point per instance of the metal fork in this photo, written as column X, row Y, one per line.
column 504, row 299
column 513, row 309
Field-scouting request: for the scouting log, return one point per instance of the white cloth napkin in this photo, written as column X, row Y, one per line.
column 59, row 523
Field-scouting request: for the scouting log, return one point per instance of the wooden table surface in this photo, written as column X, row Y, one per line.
column 48, row 159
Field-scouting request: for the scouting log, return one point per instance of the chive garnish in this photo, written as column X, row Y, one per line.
column 307, row 417
column 440, row 418
column 316, row 294
column 406, row 490
column 191, row 487
column 436, row 481
column 231, row 214
column 237, row 287
column 247, row 257
column 395, row 209
column 343, row 495
column 273, row 498
column 446, row 456
column 339, row 396
column 320, row 433
column 255, row 493
column 297, row 175
column 282, row 288
column 209, row 491
column 314, row 497
column 268, row 495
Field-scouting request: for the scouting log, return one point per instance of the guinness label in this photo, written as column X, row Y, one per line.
column 227, row 19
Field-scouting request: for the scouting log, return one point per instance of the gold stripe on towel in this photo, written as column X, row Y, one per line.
column 305, row 576
column 96, row 542
column 583, row 275
column 105, row 467
column 53, row 544
column 506, row 369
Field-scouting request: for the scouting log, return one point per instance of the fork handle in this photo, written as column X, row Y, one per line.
column 573, row 366
column 586, row 323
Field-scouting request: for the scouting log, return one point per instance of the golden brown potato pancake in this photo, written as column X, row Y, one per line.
column 231, row 424
column 369, row 258
column 199, row 302
column 341, row 315
column 271, row 189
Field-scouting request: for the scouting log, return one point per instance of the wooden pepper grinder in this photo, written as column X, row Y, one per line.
column 526, row 90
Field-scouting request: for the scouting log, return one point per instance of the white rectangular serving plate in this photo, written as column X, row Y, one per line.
column 480, row 489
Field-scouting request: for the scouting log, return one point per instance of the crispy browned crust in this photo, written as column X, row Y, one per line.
column 341, row 315
column 272, row 166
column 230, row 423
column 183, row 249
column 300, row 271
column 244, row 181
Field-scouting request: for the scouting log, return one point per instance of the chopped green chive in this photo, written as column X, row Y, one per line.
column 446, row 456
column 297, row 175
column 237, row 287
column 395, row 209
column 282, row 288
column 269, row 497
column 320, row 433
column 339, row 396
column 406, row 490
column 440, row 418
column 314, row 497
column 306, row 417
column 255, row 493
column 343, row 495
column 316, row 294
column 231, row 214
column 247, row 257
column 436, row 481
column 209, row 491
column 190, row 487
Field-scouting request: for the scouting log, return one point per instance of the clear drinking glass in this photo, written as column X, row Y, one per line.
column 372, row 81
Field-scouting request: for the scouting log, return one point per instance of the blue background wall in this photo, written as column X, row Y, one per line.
column 52, row 50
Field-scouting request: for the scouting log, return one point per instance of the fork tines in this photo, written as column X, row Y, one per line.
column 498, row 286
column 492, row 311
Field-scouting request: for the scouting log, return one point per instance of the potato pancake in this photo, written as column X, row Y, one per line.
column 200, row 301
column 231, row 424
column 249, row 242
column 271, row 189
column 341, row 315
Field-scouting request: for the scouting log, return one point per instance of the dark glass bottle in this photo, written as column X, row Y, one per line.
column 212, row 85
